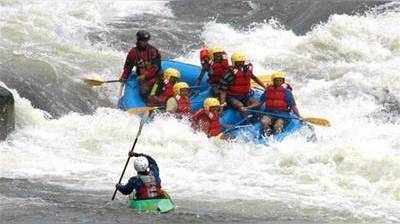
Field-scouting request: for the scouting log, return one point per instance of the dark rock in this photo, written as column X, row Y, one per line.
column 48, row 90
column 7, row 116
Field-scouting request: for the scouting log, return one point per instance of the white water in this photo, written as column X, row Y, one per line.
column 337, row 70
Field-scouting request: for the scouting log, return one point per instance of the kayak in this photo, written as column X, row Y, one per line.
column 162, row 205
column 230, row 117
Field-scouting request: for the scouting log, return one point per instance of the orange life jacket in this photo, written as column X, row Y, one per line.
column 241, row 83
column 207, row 122
column 275, row 99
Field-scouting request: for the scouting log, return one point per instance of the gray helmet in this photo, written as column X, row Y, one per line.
column 142, row 35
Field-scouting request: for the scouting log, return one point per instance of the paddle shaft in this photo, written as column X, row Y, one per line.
column 109, row 81
column 235, row 126
column 275, row 115
column 133, row 147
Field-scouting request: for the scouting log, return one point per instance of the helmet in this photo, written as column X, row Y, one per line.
column 141, row 164
column 278, row 75
column 238, row 56
column 205, row 54
column 171, row 72
column 142, row 35
column 180, row 85
column 217, row 49
column 211, row 102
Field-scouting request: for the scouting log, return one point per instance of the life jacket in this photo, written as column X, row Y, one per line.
column 217, row 71
column 184, row 106
column 207, row 122
column 149, row 188
column 241, row 83
column 143, row 60
column 275, row 99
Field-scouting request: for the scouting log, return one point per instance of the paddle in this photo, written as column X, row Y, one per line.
column 133, row 147
column 140, row 110
column 235, row 126
column 312, row 120
column 97, row 82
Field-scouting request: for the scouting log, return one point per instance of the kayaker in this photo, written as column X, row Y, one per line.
column 279, row 100
column 216, row 67
column 207, row 119
column 147, row 61
column 147, row 183
column 236, row 84
column 164, row 88
column 180, row 104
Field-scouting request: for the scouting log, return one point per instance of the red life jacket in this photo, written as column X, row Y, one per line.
column 143, row 59
column 217, row 71
column 275, row 99
column 149, row 188
column 241, row 83
column 207, row 122
column 184, row 106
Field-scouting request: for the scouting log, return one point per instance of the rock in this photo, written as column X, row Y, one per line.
column 7, row 116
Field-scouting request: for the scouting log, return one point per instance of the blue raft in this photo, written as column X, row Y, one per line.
column 247, row 131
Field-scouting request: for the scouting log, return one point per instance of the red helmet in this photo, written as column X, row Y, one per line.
column 204, row 54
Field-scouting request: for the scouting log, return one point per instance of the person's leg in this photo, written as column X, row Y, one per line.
column 234, row 103
column 251, row 103
column 278, row 125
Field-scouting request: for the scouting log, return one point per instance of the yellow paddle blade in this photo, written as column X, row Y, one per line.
column 140, row 110
column 93, row 82
column 318, row 121
column 219, row 136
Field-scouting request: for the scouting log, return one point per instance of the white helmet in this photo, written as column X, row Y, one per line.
column 141, row 164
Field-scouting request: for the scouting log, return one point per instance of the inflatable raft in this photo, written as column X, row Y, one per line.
column 249, row 129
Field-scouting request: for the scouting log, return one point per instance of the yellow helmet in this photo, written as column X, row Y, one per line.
column 211, row 102
column 171, row 72
column 238, row 56
column 278, row 75
column 178, row 86
column 216, row 49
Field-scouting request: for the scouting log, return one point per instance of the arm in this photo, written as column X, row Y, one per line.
column 204, row 69
column 133, row 184
column 157, row 62
column 129, row 65
column 227, row 80
column 258, row 81
column 292, row 103
column 172, row 105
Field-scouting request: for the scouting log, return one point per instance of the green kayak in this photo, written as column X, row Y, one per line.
column 152, row 205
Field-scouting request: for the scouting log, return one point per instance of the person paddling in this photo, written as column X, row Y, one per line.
column 236, row 84
column 147, row 183
column 179, row 104
column 164, row 89
column 216, row 66
column 147, row 61
column 278, row 99
column 207, row 119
